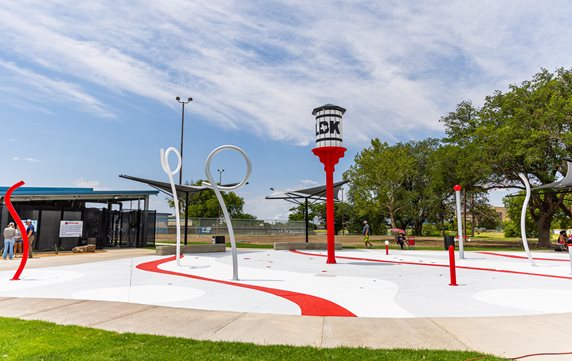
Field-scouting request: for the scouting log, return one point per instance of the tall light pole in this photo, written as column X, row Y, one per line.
column 182, row 102
column 220, row 171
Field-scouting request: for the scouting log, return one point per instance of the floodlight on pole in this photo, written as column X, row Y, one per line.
column 220, row 172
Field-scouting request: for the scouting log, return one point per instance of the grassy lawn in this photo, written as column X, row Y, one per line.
column 37, row 340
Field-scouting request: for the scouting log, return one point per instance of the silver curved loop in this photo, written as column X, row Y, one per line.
column 523, row 217
column 165, row 160
column 208, row 169
column 217, row 189
column 460, row 225
column 170, row 173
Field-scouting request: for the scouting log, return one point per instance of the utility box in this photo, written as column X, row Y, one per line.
column 218, row 240
column 449, row 241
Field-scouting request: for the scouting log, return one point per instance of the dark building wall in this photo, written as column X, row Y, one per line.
column 107, row 228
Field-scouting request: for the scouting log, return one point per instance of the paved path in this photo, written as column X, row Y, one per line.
column 41, row 260
column 503, row 336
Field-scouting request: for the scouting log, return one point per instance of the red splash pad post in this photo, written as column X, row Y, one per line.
column 452, row 268
column 330, row 156
column 20, row 227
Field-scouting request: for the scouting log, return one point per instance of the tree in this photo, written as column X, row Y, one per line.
column 377, row 182
column 205, row 205
column 524, row 130
column 343, row 214
column 513, row 207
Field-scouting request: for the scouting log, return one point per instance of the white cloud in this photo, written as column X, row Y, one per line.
column 396, row 66
column 308, row 183
column 84, row 183
column 26, row 159
column 267, row 209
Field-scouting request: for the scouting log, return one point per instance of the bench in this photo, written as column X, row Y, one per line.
column 190, row 248
column 289, row 246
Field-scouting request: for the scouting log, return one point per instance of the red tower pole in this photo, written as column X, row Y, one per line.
column 330, row 156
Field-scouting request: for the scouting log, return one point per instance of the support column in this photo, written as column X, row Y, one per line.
column 306, row 217
column 330, row 156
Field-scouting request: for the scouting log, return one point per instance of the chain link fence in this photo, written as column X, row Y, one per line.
column 166, row 227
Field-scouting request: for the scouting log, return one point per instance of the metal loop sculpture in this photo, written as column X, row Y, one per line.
column 170, row 173
column 523, row 217
column 217, row 189
column 210, row 184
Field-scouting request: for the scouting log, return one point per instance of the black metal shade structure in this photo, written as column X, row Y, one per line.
column 307, row 196
column 183, row 191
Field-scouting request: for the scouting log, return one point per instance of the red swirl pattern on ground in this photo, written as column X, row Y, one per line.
column 435, row 265
column 522, row 257
column 309, row 305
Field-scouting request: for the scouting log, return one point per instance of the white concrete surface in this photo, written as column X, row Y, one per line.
column 495, row 309
column 405, row 284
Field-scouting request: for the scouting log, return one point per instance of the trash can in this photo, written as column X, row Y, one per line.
column 218, row 240
column 449, row 241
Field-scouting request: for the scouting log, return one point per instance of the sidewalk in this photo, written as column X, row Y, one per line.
column 502, row 336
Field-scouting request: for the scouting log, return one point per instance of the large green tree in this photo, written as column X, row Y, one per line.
column 205, row 205
column 523, row 130
column 377, row 182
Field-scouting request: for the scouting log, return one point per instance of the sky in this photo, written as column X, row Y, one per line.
column 87, row 89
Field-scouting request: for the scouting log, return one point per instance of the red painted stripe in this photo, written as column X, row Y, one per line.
column 436, row 265
column 309, row 305
column 522, row 257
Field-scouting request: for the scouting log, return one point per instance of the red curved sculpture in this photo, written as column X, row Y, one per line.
column 20, row 227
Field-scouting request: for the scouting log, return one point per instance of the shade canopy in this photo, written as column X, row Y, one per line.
column 182, row 190
column 565, row 182
column 315, row 193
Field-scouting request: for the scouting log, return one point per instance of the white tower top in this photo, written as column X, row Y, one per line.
column 329, row 126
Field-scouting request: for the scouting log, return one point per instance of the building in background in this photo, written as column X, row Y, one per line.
column 70, row 217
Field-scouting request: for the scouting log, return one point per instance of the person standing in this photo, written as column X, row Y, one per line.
column 366, row 233
column 401, row 240
column 9, row 233
column 31, row 231
column 17, row 241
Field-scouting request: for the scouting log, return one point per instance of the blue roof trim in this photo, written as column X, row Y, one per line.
column 47, row 191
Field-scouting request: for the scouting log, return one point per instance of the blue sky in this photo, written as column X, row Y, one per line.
column 87, row 92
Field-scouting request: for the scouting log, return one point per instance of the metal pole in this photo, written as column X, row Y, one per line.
column 182, row 139
column 459, row 221
column 189, row 99
column 306, row 218
column 186, row 217
column 342, row 212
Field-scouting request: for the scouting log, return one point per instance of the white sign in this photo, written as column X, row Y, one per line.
column 71, row 228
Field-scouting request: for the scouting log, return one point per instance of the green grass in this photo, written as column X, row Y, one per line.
column 37, row 340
